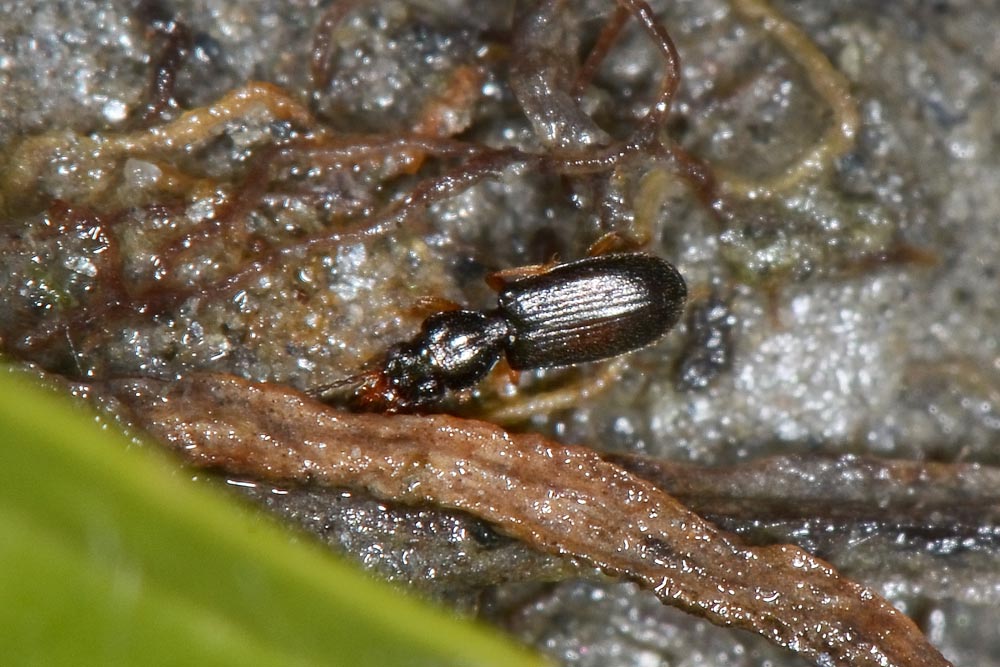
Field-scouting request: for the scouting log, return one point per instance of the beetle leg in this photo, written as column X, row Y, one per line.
column 428, row 305
column 703, row 291
column 497, row 280
column 375, row 394
column 322, row 391
column 612, row 242
column 500, row 384
column 503, row 370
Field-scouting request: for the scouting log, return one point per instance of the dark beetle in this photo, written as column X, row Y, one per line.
column 572, row 313
column 591, row 309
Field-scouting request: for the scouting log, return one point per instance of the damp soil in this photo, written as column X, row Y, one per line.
column 225, row 194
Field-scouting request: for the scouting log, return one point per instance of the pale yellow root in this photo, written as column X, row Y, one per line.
column 829, row 83
column 649, row 199
column 27, row 160
column 521, row 409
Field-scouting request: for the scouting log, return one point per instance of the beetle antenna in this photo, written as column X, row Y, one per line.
column 320, row 391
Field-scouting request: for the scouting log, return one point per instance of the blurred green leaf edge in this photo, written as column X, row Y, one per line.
column 111, row 555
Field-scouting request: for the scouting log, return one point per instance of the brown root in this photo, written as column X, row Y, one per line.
column 557, row 498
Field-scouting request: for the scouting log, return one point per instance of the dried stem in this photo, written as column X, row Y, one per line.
column 557, row 498
column 939, row 498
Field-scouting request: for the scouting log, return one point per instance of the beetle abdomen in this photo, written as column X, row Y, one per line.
column 590, row 309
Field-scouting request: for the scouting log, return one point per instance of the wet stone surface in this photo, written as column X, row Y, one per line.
column 861, row 298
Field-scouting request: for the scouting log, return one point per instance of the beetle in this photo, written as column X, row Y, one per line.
column 546, row 317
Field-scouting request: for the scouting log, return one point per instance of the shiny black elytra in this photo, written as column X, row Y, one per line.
column 587, row 310
column 590, row 309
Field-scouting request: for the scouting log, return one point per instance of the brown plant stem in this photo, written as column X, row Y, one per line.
column 557, row 498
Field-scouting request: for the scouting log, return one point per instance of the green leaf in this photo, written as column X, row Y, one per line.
column 110, row 554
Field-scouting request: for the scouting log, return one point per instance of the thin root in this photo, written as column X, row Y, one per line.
column 829, row 83
column 28, row 160
column 523, row 408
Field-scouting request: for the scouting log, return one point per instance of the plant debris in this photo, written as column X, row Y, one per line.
column 279, row 213
column 558, row 498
